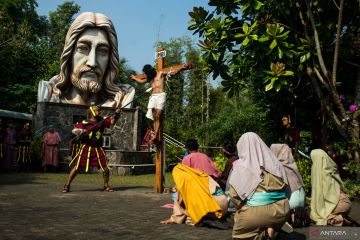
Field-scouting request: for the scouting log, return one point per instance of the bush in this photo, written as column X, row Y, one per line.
column 36, row 153
column 352, row 188
column 220, row 161
column 173, row 155
column 352, row 184
column 304, row 166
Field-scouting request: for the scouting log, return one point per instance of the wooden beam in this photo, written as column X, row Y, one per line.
column 176, row 68
column 159, row 181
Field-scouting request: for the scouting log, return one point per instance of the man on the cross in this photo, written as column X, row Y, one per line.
column 158, row 96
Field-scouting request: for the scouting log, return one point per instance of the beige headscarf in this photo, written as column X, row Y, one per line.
column 254, row 155
column 325, row 186
column 284, row 154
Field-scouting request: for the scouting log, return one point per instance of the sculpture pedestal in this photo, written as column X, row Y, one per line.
column 122, row 140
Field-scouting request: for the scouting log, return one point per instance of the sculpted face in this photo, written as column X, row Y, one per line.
column 90, row 59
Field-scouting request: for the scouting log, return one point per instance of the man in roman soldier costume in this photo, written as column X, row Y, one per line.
column 91, row 153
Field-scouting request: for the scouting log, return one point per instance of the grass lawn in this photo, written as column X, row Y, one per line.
column 146, row 180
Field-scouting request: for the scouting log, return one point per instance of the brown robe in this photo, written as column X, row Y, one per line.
column 336, row 217
column 251, row 222
column 51, row 143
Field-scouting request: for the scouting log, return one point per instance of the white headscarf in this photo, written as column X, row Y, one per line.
column 254, row 156
column 284, row 153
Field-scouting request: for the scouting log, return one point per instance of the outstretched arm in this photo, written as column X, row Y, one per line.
column 176, row 69
column 140, row 78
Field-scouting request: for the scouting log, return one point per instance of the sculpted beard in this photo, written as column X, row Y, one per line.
column 85, row 85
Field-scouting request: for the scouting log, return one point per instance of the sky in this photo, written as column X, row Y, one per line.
column 139, row 23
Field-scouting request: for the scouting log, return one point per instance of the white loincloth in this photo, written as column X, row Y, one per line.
column 157, row 101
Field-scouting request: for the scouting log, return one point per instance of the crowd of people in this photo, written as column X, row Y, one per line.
column 259, row 193
column 15, row 148
column 260, row 189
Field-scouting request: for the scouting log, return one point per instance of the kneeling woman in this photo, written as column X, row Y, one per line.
column 258, row 186
column 297, row 199
column 199, row 197
column 329, row 203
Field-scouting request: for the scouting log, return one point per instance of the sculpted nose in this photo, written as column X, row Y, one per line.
column 91, row 60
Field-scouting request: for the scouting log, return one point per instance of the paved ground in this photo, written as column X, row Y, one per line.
column 37, row 210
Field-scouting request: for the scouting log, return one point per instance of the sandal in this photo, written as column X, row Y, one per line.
column 108, row 189
column 66, row 189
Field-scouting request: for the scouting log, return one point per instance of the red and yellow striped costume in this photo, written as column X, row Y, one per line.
column 90, row 152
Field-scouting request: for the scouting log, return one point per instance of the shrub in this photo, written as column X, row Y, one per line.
column 304, row 166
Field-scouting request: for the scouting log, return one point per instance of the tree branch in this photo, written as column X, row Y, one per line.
column 337, row 6
column 337, row 42
column 326, row 105
column 317, row 41
column 302, row 20
column 321, row 78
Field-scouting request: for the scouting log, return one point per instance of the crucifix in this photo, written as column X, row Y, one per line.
column 157, row 81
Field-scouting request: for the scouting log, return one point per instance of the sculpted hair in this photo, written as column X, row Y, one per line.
column 82, row 22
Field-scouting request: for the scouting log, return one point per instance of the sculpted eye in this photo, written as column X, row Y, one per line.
column 103, row 50
column 82, row 48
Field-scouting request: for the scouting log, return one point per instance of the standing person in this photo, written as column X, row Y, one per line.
column 291, row 135
column 91, row 153
column 9, row 144
column 258, row 186
column 50, row 146
column 24, row 141
column 89, row 66
column 158, row 96
column 329, row 203
column 229, row 151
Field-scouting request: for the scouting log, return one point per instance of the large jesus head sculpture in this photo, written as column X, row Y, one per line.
column 89, row 66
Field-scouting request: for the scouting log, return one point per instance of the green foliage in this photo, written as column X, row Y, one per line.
column 352, row 188
column 36, row 152
column 220, row 161
column 240, row 39
column 29, row 47
column 304, row 166
column 174, row 154
column 59, row 23
column 230, row 118
column 352, row 184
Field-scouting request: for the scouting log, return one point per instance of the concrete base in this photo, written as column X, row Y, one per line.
column 124, row 138
column 130, row 162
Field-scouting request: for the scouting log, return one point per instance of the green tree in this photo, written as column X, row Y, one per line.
column 195, row 94
column 58, row 24
column 25, row 52
column 231, row 117
column 299, row 47
column 21, row 29
column 175, row 55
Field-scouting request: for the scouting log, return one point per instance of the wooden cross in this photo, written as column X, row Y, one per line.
column 159, row 178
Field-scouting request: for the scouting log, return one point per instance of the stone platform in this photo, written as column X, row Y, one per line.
column 122, row 142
